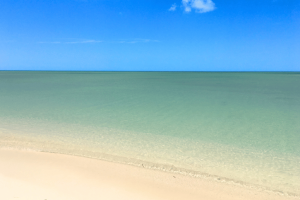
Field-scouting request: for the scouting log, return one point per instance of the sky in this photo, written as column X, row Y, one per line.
column 150, row 35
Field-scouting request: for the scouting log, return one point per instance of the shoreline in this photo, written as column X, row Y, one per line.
column 41, row 175
column 49, row 145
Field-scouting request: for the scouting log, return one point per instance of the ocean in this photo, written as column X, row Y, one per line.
column 235, row 127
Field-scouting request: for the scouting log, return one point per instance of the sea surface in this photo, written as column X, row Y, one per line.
column 241, row 128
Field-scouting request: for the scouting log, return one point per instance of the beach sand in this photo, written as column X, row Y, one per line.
column 29, row 175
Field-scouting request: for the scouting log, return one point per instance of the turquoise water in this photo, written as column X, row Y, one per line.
column 235, row 127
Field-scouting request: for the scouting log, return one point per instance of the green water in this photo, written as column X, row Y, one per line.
column 236, row 127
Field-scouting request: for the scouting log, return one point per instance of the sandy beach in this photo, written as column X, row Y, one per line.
column 30, row 175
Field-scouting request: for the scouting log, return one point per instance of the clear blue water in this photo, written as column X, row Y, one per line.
column 241, row 127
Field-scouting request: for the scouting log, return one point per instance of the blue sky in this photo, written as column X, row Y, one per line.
column 185, row 35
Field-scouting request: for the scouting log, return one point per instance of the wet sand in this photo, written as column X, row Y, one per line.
column 29, row 175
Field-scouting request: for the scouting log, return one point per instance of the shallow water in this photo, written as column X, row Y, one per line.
column 243, row 127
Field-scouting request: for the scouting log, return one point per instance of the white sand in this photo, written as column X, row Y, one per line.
column 26, row 175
